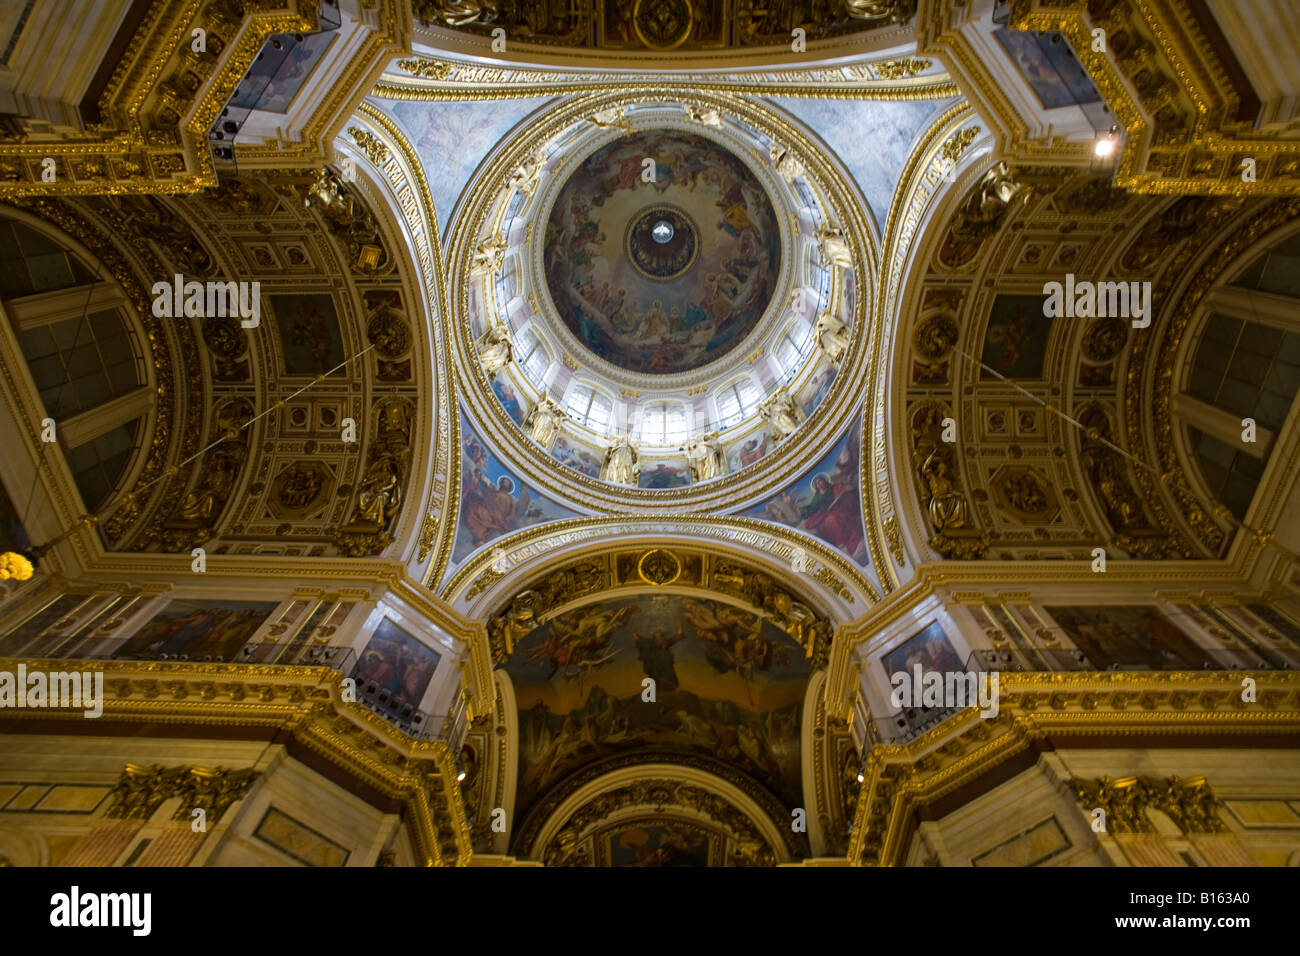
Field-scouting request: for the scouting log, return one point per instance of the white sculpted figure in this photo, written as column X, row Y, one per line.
column 705, row 455
column 832, row 336
column 489, row 257
column 543, row 422
column 613, row 118
column 703, row 116
column 494, row 349
column 529, row 173
column 787, row 165
column 621, row 465
column 834, row 247
column 780, row 413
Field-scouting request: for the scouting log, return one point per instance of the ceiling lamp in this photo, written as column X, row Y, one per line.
column 1105, row 145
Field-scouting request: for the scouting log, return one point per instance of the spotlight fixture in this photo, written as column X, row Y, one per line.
column 1105, row 145
column 460, row 777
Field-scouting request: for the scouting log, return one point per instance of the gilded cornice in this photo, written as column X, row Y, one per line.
column 918, row 186
column 986, row 581
column 399, row 169
column 1198, row 154
column 1033, row 708
column 307, row 703
column 892, row 78
column 840, row 576
column 142, row 147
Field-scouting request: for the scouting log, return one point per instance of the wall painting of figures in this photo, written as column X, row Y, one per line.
column 728, row 685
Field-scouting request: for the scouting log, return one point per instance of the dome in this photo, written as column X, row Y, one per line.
column 662, row 252
column 657, row 295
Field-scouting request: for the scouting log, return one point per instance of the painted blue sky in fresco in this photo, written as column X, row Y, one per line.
column 871, row 138
column 452, row 138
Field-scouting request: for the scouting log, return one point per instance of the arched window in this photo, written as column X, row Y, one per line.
column 588, row 407
column 1245, row 364
column 664, row 424
column 736, row 400
column 85, row 359
column 792, row 348
column 531, row 356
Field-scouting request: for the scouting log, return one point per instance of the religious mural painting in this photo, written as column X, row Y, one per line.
column 493, row 501
column 817, row 389
column 650, row 844
column 664, row 474
column 505, row 394
column 663, row 276
column 198, row 629
column 1049, row 67
column 274, row 80
column 929, row 648
column 454, row 137
column 825, row 502
column 310, row 340
column 575, row 455
column 397, row 663
column 1137, row 636
column 728, row 684
column 749, row 450
column 1015, row 342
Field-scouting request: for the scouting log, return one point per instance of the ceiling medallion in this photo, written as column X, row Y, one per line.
column 662, row 24
column 659, row 567
column 662, row 243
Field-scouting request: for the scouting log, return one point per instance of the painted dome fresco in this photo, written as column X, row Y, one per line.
column 661, row 267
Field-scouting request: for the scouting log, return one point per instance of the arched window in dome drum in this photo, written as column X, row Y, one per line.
column 736, row 400
column 664, row 424
column 792, row 348
column 588, row 407
column 531, row 356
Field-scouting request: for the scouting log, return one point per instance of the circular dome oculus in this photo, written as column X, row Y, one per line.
column 663, row 267
column 662, row 243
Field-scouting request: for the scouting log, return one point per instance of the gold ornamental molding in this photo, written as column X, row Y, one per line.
column 144, row 144
column 1044, row 711
column 397, row 164
column 603, row 576
column 840, row 579
column 303, row 702
column 951, row 136
column 1171, row 96
column 978, row 582
column 893, row 78
column 164, row 97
